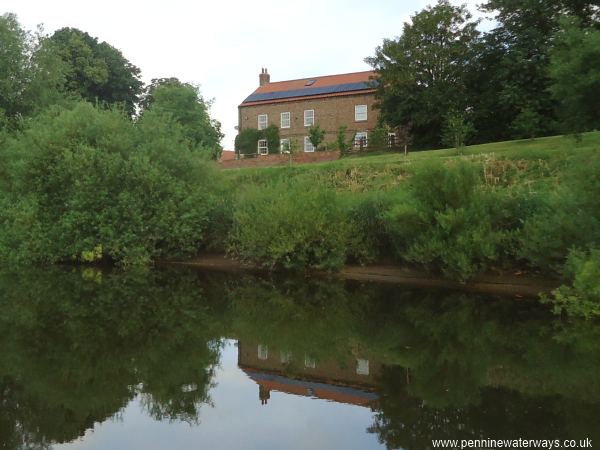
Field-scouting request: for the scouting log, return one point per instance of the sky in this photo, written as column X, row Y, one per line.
column 222, row 45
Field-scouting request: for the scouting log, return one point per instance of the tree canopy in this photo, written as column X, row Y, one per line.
column 421, row 73
column 97, row 71
column 512, row 81
column 185, row 104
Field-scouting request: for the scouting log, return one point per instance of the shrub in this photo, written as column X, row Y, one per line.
column 568, row 218
column 90, row 184
column 290, row 225
column 582, row 298
column 368, row 240
column 449, row 222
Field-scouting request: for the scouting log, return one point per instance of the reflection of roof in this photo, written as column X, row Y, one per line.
column 340, row 394
column 315, row 87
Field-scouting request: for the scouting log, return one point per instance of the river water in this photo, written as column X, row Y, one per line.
column 180, row 359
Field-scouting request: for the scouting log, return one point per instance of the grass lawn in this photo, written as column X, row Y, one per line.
column 538, row 163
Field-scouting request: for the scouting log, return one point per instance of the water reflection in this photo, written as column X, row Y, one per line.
column 79, row 346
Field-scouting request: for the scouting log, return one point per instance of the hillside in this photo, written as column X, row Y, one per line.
column 528, row 161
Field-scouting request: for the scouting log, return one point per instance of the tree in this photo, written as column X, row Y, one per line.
column 379, row 137
column 32, row 75
column 575, row 76
column 246, row 141
column 184, row 103
column 14, row 68
column 511, row 72
column 527, row 124
column 421, row 73
column 271, row 134
column 97, row 71
column 340, row 141
column 316, row 135
column 457, row 129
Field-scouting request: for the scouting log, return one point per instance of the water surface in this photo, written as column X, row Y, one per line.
column 179, row 359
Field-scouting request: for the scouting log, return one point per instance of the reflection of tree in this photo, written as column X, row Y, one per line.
column 78, row 346
column 458, row 365
column 75, row 350
column 405, row 421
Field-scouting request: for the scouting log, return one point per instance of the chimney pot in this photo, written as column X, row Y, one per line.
column 264, row 77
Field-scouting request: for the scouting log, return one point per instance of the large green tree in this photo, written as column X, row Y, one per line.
column 510, row 78
column 185, row 104
column 575, row 76
column 421, row 73
column 31, row 74
column 97, row 71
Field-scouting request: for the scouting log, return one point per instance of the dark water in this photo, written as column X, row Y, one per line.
column 176, row 359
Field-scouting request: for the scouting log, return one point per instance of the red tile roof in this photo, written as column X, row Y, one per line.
column 312, row 87
column 327, row 80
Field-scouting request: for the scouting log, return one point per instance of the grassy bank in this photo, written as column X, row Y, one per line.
column 81, row 184
column 523, row 205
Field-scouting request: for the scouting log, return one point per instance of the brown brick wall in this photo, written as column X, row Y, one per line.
column 279, row 159
column 330, row 114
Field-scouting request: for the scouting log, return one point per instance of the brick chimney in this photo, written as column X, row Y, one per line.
column 264, row 77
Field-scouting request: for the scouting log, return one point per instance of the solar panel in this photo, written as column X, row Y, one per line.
column 348, row 87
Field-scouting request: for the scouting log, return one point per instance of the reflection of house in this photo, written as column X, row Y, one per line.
column 346, row 380
column 294, row 106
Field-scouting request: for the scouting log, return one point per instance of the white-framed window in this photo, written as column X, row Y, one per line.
column 286, row 357
column 360, row 113
column 284, row 145
column 391, row 139
column 360, row 139
column 263, row 147
column 308, row 147
column 285, row 120
column 263, row 121
column 263, row 352
column 309, row 117
column 362, row 367
column 309, row 362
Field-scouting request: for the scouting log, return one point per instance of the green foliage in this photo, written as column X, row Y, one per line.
column 378, row 138
column 448, row 222
column 582, row 298
column 97, row 71
column 421, row 74
column 271, row 134
column 247, row 140
column 31, row 73
column 340, row 140
column 457, row 129
column 289, row 225
column 185, row 105
column 316, row 135
column 575, row 73
column 82, row 179
column 527, row 124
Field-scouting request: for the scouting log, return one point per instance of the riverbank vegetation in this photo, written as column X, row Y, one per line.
column 128, row 179
column 504, row 207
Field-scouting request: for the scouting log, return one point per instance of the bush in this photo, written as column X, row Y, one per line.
column 290, row 225
column 449, row 222
column 368, row 240
column 88, row 184
column 583, row 297
column 567, row 219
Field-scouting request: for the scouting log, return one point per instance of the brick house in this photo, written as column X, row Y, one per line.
column 294, row 106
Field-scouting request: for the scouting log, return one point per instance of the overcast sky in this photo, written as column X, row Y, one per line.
column 223, row 44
